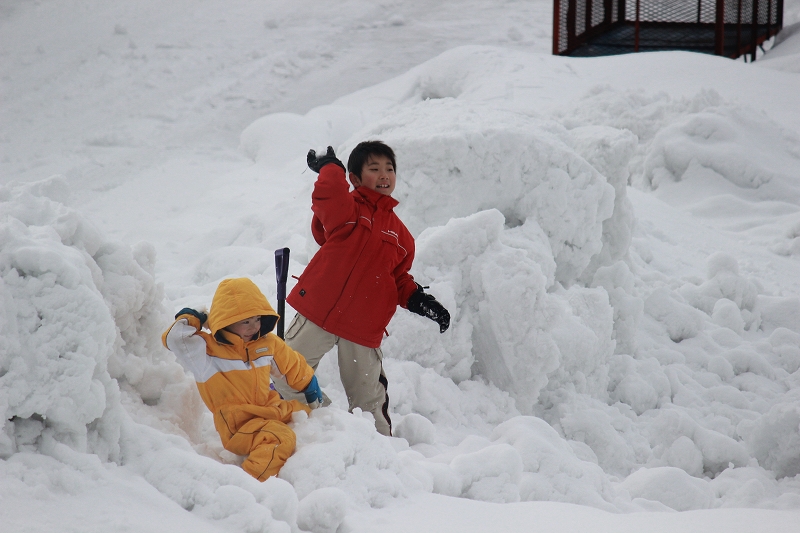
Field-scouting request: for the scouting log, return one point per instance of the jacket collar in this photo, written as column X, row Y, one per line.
column 226, row 337
column 376, row 199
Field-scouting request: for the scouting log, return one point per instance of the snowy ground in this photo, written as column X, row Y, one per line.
column 618, row 240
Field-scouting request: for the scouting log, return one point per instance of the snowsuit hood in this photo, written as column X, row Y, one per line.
column 237, row 299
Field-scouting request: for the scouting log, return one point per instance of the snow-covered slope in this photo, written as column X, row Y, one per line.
column 618, row 240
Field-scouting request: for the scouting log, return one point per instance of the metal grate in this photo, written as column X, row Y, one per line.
column 723, row 27
column 598, row 12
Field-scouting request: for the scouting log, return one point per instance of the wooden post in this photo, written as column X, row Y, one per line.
column 571, row 10
column 739, row 29
column 719, row 29
column 754, row 43
column 588, row 14
column 557, row 26
column 769, row 19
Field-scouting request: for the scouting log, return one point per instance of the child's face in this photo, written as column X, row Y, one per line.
column 247, row 328
column 376, row 174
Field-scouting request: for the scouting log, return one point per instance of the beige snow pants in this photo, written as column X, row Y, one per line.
column 360, row 368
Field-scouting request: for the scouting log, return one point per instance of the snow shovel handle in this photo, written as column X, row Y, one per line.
column 281, row 275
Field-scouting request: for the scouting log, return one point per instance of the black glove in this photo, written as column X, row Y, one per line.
column 316, row 163
column 427, row 306
column 202, row 317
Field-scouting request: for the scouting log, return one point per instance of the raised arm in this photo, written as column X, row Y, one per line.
column 184, row 339
column 331, row 200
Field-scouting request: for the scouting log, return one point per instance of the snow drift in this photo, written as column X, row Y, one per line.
column 582, row 364
column 80, row 324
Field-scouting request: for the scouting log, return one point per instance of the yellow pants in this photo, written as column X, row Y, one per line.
column 260, row 433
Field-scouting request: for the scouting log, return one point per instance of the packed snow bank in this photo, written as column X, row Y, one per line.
column 729, row 163
column 738, row 143
column 80, row 353
column 506, row 327
column 464, row 158
column 538, row 216
column 58, row 330
column 525, row 229
column 433, row 513
column 581, row 366
column 785, row 52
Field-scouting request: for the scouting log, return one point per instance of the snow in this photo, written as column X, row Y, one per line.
column 784, row 57
column 617, row 240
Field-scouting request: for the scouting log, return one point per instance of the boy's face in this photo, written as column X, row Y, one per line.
column 247, row 328
column 376, row 174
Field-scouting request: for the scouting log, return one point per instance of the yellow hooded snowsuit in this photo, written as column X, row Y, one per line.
column 233, row 376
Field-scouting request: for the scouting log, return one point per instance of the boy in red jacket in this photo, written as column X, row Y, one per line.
column 350, row 290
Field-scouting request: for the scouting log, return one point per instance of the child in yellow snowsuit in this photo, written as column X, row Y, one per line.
column 232, row 366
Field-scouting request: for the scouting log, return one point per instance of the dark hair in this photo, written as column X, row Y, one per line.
column 267, row 325
column 361, row 153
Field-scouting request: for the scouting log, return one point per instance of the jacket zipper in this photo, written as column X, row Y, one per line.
column 255, row 375
column 360, row 253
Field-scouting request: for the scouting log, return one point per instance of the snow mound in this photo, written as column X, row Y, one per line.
column 525, row 228
column 785, row 52
column 722, row 139
column 323, row 510
column 775, row 437
column 704, row 137
column 336, row 449
column 80, row 353
column 670, row 486
column 279, row 138
column 58, row 330
column 468, row 158
column 506, row 326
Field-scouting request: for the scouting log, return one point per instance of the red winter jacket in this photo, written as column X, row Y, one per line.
column 354, row 283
